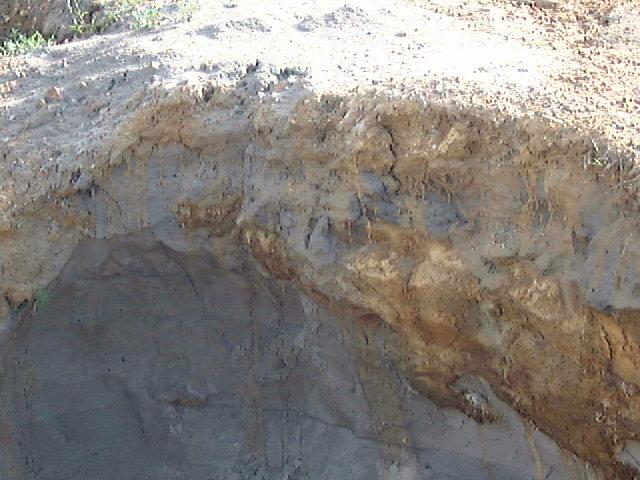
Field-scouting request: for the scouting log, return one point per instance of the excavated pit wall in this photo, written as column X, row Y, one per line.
column 493, row 248
column 150, row 363
column 49, row 17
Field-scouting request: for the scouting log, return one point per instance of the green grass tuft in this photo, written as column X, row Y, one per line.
column 42, row 297
column 187, row 9
column 19, row 43
column 143, row 18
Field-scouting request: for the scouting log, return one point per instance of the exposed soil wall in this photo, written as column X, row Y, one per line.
column 490, row 241
column 493, row 248
column 149, row 363
column 49, row 17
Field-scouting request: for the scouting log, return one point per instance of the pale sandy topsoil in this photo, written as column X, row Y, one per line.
column 573, row 61
column 598, row 42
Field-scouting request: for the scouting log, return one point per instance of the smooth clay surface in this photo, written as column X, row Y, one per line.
column 147, row 363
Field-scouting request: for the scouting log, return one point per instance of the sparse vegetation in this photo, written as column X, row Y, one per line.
column 140, row 15
column 187, row 8
column 42, row 297
column 84, row 23
column 19, row 43
column 143, row 18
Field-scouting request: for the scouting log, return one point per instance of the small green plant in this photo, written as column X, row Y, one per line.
column 42, row 297
column 18, row 43
column 85, row 24
column 187, row 8
column 147, row 17
column 117, row 11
